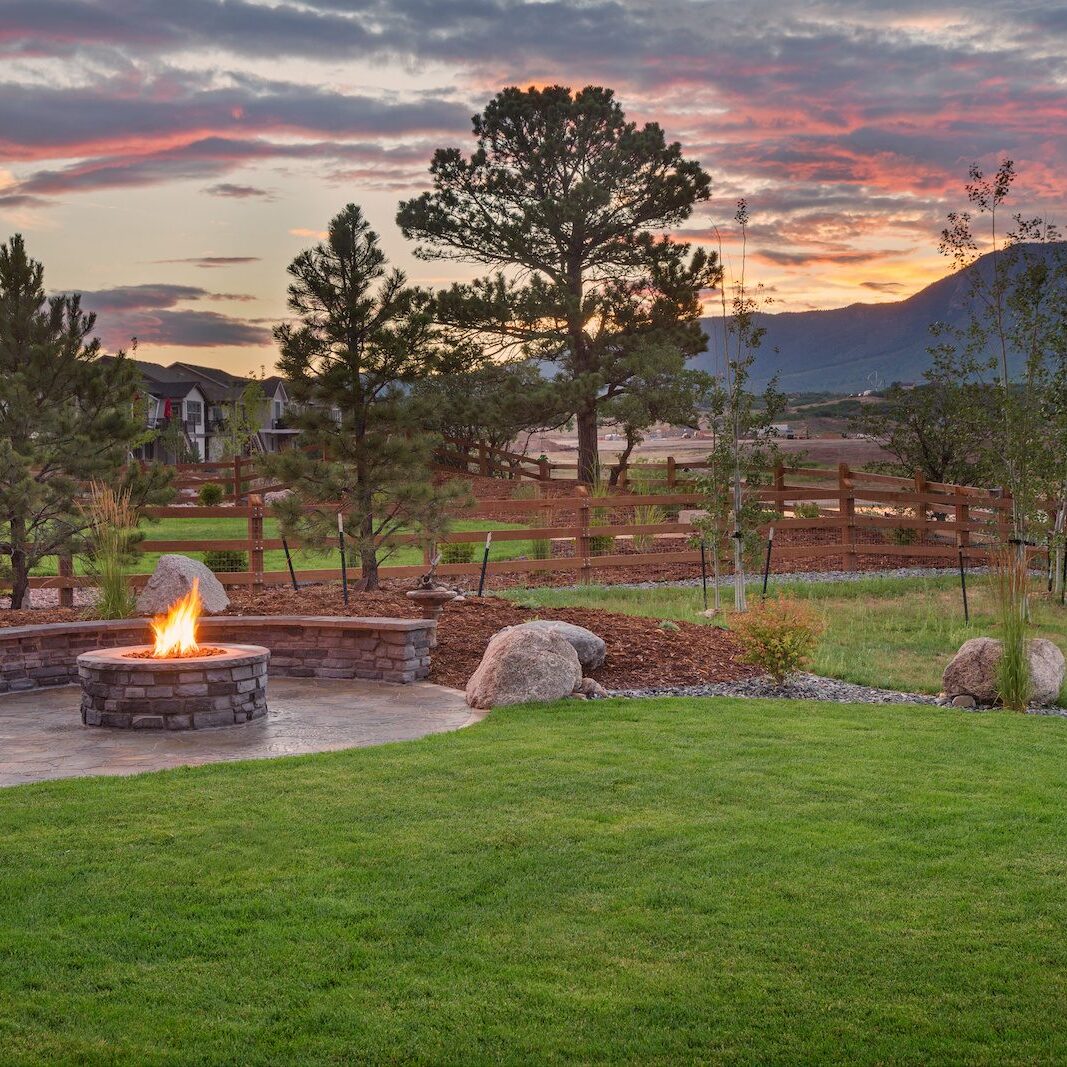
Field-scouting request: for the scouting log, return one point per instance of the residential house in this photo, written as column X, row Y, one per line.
column 198, row 397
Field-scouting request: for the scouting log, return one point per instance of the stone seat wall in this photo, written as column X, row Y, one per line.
column 392, row 650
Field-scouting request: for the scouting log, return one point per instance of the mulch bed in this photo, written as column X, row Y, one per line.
column 640, row 654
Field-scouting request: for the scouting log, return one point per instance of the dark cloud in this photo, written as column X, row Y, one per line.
column 884, row 287
column 204, row 158
column 230, row 191
column 804, row 258
column 150, row 312
column 212, row 262
column 130, row 297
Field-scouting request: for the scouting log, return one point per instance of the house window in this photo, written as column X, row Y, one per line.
column 193, row 411
column 277, row 409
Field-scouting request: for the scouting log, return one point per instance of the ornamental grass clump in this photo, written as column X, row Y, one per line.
column 1009, row 580
column 778, row 636
column 111, row 533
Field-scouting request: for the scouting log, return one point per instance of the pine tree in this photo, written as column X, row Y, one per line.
column 364, row 339
column 67, row 416
column 567, row 200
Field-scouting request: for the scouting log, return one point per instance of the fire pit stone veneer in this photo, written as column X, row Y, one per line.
column 187, row 693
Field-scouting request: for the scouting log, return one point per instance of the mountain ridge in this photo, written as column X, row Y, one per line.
column 857, row 347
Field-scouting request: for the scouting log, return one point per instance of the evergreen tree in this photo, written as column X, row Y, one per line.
column 67, row 416
column 567, row 200
column 363, row 340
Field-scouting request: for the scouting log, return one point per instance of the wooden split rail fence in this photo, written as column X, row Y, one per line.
column 856, row 509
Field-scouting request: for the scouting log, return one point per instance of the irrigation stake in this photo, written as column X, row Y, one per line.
column 289, row 560
column 963, row 587
column 485, row 561
column 1063, row 578
column 704, row 573
column 344, row 568
column 767, row 562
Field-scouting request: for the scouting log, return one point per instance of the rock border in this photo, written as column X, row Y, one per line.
column 301, row 646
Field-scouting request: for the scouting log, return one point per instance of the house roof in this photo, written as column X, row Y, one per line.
column 172, row 390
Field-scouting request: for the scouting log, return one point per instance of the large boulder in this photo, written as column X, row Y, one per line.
column 973, row 671
column 173, row 578
column 522, row 665
column 590, row 647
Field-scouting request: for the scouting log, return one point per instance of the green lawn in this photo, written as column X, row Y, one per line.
column 193, row 529
column 891, row 632
column 654, row 882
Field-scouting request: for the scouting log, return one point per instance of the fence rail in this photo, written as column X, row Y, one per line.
column 855, row 509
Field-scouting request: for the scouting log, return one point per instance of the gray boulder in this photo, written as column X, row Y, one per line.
column 590, row 648
column 521, row 665
column 973, row 671
column 173, row 578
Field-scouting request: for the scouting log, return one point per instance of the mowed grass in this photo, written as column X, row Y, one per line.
column 891, row 632
column 198, row 529
column 651, row 881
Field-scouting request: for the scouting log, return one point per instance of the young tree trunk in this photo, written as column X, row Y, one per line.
column 368, row 565
column 588, row 455
column 623, row 463
column 20, row 573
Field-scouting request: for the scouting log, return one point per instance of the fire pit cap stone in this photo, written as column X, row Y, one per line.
column 173, row 578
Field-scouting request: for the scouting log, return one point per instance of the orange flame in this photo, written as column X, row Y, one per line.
column 176, row 631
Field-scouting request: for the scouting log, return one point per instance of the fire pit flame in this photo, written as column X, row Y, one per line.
column 176, row 631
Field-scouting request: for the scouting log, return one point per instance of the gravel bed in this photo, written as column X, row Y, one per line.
column 811, row 576
column 799, row 687
column 807, row 687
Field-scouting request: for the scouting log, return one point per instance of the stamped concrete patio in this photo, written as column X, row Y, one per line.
column 41, row 735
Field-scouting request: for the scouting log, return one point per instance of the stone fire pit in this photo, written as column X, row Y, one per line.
column 122, row 687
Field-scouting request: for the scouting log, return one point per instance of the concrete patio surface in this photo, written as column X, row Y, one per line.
column 41, row 735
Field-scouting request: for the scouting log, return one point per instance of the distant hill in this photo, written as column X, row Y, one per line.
column 840, row 350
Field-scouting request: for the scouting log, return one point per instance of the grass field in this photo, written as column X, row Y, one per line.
column 891, row 632
column 194, row 529
column 655, row 882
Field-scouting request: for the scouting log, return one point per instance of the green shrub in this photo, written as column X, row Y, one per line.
column 647, row 515
column 806, row 509
column 903, row 535
column 227, row 559
column 541, row 548
column 210, row 494
column 457, row 551
column 777, row 636
column 603, row 545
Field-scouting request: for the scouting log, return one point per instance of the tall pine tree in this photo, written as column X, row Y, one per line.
column 363, row 340
column 67, row 415
column 568, row 201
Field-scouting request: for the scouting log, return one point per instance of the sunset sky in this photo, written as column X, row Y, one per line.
column 169, row 157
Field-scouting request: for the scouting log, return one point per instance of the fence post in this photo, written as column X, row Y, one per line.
column 255, row 540
column 66, row 570
column 483, row 459
column 963, row 515
column 846, row 507
column 671, row 476
column 543, row 469
column 582, row 544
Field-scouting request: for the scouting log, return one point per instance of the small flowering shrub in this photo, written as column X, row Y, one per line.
column 778, row 636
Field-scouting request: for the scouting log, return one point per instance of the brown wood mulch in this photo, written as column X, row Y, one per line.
column 639, row 652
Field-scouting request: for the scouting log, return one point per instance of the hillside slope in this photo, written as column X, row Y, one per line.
column 849, row 349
